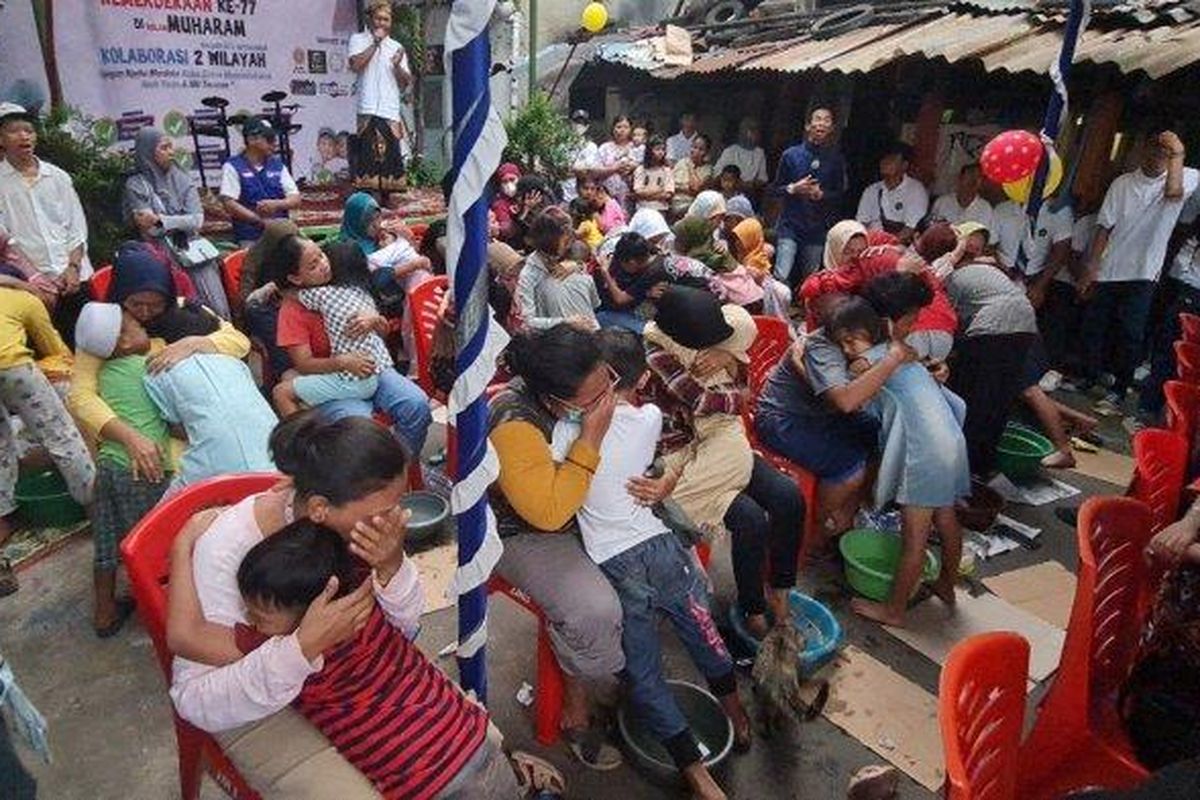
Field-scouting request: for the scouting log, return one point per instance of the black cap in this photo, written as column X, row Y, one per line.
column 257, row 126
column 581, row 116
column 692, row 317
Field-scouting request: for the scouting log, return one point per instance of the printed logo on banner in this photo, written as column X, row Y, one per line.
column 174, row 124
column 300, row 59
column 305, row 88
column 317, row 63
column 130, row 123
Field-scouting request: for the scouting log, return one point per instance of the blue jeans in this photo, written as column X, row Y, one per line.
column 620, row 319
column 1124, row 307
column 656, row 577
column 400, row 399
column 1181, row 297
column 788, row 251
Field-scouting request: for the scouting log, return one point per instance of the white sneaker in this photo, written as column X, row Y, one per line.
column 1051, row 381
column 1142, row 372
column 1109, row 405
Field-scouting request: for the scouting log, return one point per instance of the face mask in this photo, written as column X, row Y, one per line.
column 573, row 416
column 509, row 188
column 579, row 128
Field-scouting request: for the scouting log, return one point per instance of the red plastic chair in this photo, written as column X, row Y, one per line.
column 1159, row 467
column 1187, row 362
column 981, row 710
column 1189, row 327
column 772, row 343
column 146, row 552
column 1077, row 739
column 424, row 304
column 1183, row 409
column 231, row 278
column 100, row 283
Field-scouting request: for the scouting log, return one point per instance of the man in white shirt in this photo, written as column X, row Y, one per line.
column 1036, row 256
column 747, row 156
column 43, row 215
column 1181, row 289
column 382, row 68
column 964, row 204
column 583, row 158
column 255, row 184
column 897, row 203
column 680, row 145
column 1128, row 249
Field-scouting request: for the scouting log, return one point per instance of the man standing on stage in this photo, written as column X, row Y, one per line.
column 383, row 73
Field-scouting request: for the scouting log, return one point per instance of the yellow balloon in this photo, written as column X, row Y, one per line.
column 595, row 17
column 1018, row 191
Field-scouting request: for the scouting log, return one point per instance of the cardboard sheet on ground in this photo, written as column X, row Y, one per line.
column 933, row 630
column 437, row 567
column 889, row 714
column 1105, row 465
column 1045, row 590
column 1037, row 491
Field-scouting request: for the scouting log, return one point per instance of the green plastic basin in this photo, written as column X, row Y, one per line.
column 44, row 502
column 871, row 558
column 1021, row 450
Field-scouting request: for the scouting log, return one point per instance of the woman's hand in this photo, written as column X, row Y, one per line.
column 597, row 419
column 145, row 461
column 1169, row 545
column 365, row 322
column 328, row 622
column 175, row 352
column 359, row 364
column 648, row 491
column 379, row 541
column 267, row 293
column 710, row 362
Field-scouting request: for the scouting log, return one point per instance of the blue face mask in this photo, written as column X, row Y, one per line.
column 574, row 415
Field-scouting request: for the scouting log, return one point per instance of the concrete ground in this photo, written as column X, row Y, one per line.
column 110, row 725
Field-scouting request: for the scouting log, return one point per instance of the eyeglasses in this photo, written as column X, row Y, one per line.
column 581, row 411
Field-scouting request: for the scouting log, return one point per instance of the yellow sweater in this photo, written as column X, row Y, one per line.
column 542, row 492
column 26, row 330
column 90, row 410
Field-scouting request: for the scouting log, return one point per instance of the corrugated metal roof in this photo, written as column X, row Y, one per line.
column 814, row 53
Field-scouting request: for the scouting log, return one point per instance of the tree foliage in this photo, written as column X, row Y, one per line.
column 540, row 138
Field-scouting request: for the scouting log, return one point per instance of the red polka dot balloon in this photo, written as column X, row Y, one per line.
column 1011, row 156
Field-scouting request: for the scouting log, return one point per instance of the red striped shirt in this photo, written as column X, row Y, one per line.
column 393, row 715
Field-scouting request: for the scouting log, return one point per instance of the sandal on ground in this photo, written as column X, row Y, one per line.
column 588, row 745
column 125, row 607
column 536, row 775
column 8, row 579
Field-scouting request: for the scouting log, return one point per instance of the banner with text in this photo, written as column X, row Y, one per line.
column 131, row 63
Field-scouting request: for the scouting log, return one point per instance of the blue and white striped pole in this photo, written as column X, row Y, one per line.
column 479, row 141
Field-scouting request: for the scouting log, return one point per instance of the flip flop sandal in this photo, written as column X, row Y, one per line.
column 125, row 607
column 536, row 775
column 8, row 579
column 593, row 752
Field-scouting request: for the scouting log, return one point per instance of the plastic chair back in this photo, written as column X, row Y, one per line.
column 1183, row 409
column 423, row 305
column 1160, row 464
column 981, row 710
column 773, row 340
column 100, row 283
column 1189, row 327
column 1187, row 362
column 231, row 277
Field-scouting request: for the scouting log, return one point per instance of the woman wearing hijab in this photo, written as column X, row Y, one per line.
column 163, row 204
column 505, row 206
column 731, row 281
column 845, row 242
column 360, row 222
column 748, row 246
column 709, row 205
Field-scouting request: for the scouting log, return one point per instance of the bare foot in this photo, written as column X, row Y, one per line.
column 702, row 784
column 878, row 612
column 1062, row 459
column 944, row 589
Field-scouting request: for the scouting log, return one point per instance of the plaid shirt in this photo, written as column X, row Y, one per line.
column 681, row 398
column 337, row 305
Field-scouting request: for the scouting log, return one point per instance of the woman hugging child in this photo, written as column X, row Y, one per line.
column 333, row 283
column 924, row 464
column 553, row 287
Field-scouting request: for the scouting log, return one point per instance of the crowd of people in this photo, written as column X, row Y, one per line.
column 621, row 416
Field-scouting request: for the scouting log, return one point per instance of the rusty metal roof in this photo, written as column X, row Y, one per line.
column 1008, row 36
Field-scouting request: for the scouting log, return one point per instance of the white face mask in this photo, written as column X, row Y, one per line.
column 579, row 128
column 509, row 188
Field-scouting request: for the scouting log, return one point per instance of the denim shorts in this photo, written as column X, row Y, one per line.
column 834, row 447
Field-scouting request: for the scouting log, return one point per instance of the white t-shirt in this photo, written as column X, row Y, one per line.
column 906, row 204
column 1010, row 225
column 752, row 163
column 231, row 183
column 947, row 209
column 1186, row 266
column 584, row 158
column 678, row 146
column 610, row 521
column 1140, row 220
column 378, row 89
